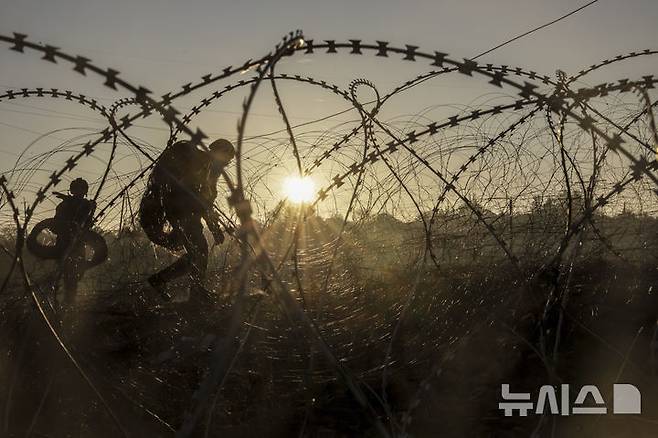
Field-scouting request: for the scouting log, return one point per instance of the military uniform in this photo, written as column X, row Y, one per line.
column 72, row 216
column 187, row 180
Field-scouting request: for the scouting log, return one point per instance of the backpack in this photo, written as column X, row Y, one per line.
column 152, row 211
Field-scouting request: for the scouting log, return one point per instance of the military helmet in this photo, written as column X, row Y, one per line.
column 79, row 187
column 222, row 149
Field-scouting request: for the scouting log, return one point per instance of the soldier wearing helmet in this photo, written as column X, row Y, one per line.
column 181, row 191
column 73, row 216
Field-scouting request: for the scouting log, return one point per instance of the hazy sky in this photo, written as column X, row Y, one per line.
column 163, row 44
column 206, row 32
column 167, row 43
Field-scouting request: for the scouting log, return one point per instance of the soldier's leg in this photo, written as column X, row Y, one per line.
column 72, row 271
column 197, row 249
column 190, row 263
column 160, row 279
column 176, row 269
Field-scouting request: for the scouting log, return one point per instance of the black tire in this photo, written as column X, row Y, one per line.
column 37, row 248
column 91, row 239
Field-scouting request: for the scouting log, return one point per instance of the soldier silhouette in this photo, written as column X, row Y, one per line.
column 181, row 191
column 73, row 217
column 75, row 239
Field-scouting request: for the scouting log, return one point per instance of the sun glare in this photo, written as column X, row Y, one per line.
column 299, row 190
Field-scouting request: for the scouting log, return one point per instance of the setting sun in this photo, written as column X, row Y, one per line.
column 298, row 189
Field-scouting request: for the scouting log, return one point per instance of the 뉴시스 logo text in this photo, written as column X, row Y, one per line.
column 626, row 399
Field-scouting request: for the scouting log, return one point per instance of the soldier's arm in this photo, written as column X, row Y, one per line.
column 212, row 220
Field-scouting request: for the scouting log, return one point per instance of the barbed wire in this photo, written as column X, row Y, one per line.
column 475, row 159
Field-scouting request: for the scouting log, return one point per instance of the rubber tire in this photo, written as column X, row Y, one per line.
column 90, row 238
